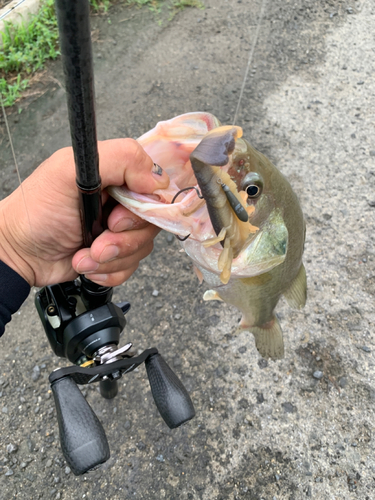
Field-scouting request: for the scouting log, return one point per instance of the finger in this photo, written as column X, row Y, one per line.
column 113, row 279
column 126, row 265
column 110, row 246
column 121, row 219
column 124, row 161
column 123, row 264
column 116, row 272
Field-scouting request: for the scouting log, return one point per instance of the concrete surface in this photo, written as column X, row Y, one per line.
column 263, row 430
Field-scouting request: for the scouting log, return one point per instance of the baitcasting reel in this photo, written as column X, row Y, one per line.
column 84, row 326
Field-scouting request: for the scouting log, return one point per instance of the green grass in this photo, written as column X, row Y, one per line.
column 173, row 5
column 178, row 5
column 26, row 48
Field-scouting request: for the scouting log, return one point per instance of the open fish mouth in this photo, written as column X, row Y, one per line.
column 252, row 250
column 169, row 145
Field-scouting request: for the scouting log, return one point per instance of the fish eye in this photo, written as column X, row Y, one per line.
column 252, row 190
column 252, row 184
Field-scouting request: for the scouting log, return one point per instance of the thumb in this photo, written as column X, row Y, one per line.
column 124, row 161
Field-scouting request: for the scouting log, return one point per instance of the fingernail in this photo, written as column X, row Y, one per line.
column 109, row 253
column 123, row 225
column 156, row 169
column 102, row 278
column 87, row 264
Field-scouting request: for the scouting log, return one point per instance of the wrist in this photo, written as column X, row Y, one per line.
column 10, row 251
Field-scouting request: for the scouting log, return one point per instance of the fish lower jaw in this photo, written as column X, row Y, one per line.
column 207, row 259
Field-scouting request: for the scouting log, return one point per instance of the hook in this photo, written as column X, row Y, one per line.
column 174, row 199
column 187, row 189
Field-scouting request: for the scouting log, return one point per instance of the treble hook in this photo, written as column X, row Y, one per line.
column 174, row 199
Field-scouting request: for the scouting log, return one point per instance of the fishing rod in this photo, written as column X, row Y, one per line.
column 82, row 324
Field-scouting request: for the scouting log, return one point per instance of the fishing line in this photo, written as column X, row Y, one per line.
column 250, row 58
column 20, row 184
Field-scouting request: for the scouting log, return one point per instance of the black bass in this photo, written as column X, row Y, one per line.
column 245, row 237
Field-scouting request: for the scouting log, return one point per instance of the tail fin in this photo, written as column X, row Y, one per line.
column 269, row 339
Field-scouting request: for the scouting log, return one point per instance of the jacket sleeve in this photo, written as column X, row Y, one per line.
column 13, row 292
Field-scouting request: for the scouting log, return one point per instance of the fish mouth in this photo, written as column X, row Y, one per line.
column 186, row 215
column 181, row 200
column 169, row 145
column 262, row 251
column 154, row 197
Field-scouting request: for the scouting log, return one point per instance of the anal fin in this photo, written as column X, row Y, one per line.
column 296, row 294
column 269, row 339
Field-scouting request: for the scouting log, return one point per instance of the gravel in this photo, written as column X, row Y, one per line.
column 255, row 419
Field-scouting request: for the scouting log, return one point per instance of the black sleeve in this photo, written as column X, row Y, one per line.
column 13, row 292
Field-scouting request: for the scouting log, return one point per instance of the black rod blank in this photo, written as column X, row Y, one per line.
column 75, row 43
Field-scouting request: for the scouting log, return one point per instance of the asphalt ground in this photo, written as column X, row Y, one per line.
column 302, row 427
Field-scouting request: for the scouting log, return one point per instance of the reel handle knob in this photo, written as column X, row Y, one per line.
column 171, row 397
column 83, row 440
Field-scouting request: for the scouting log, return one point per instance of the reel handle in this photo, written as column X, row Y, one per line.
column 171, row 397
column 83, row 440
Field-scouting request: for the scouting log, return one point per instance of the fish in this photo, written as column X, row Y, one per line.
column 236, row 216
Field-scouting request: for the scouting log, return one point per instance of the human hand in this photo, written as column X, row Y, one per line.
column 43, row 245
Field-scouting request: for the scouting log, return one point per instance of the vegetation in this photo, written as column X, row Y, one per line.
column 173, row 5
column 26, row 48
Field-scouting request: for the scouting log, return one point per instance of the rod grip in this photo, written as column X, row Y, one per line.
column 171, row 397
column 83, row 440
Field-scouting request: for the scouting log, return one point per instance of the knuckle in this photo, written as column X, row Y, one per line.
column 134, row 151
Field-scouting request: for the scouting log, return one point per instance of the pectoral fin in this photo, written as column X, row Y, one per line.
column 296, row 294
column 269, row 339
